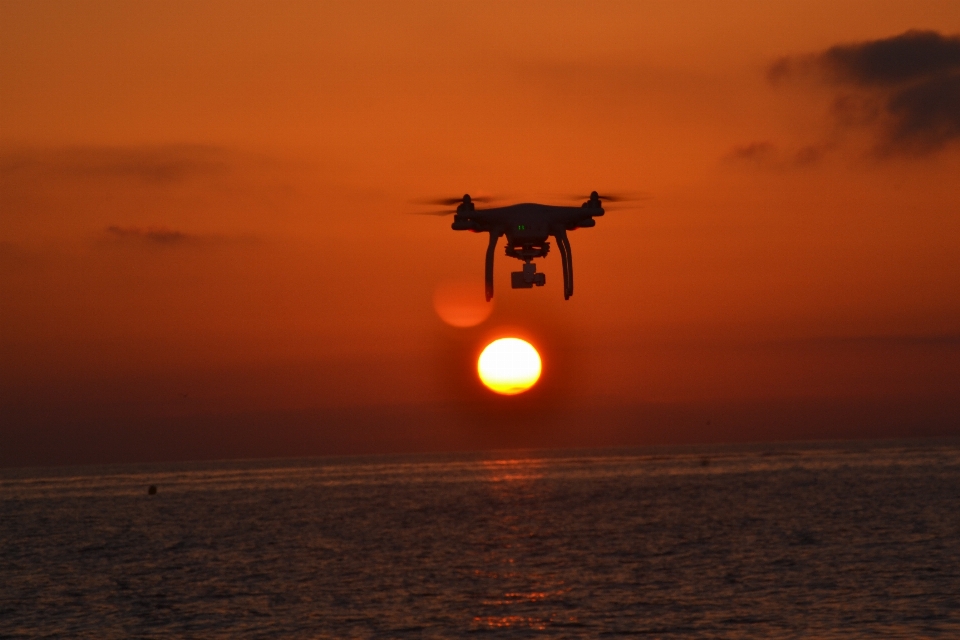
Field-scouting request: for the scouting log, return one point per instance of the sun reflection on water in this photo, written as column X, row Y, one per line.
column 500, row 622
column 513, row 470
column 513, row 583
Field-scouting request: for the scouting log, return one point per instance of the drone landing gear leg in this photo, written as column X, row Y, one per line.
column 566, row 256
column 491, row 247
column 566, row 242
column 563, row 260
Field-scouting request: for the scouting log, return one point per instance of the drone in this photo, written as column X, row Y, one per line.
column 527, row 227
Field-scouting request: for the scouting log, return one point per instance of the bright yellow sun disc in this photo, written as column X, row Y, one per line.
column 509, row 366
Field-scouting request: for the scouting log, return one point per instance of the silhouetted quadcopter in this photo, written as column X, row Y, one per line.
column 527, row 227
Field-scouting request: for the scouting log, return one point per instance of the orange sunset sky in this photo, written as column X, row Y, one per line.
column 205, row 251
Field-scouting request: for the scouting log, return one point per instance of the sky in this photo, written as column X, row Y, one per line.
column 206, row 252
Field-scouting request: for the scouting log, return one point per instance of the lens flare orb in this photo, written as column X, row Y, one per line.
column 461, row 303
column 509, row 366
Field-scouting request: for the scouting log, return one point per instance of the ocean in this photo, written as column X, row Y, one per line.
column 817, row 540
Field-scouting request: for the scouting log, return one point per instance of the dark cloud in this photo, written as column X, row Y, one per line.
column 907, row 88
column 906, row 58
column 926, row 115
column 158, row 165
column 151, row 235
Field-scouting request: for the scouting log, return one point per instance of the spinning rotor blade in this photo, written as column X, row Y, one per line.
column 622, row 206
column 622, row 196
column 442, row 212
column 449, row 202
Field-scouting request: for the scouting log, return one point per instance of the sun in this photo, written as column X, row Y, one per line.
column 509, row 366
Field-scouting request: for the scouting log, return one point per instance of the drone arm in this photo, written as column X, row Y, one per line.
column 488, row 273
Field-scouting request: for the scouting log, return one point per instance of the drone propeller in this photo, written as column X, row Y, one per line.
column 449, row 202
column 623, row 196
column 443, row 212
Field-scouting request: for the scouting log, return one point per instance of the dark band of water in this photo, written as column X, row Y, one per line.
column 803, row 540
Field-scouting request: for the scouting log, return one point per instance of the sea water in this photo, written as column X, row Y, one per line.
column 803, row 540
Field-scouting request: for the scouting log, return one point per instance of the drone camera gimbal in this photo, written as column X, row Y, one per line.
column 528, row 277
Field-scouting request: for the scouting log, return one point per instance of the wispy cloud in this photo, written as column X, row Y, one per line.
column 906, row 88
column 152, row 235
column 754, row 151
column 158, row 165
column 165, row 236
column 768, row 154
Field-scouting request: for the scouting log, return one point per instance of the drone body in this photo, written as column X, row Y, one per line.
column 527, row 228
